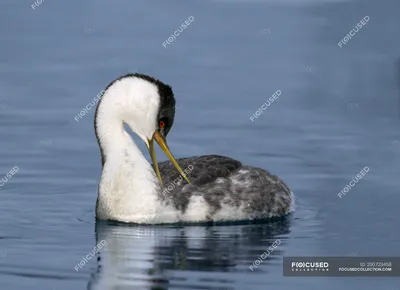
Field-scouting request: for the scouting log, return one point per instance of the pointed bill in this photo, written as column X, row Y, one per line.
column 163, row 145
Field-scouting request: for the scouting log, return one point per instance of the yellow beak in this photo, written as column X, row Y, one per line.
column 163, row 145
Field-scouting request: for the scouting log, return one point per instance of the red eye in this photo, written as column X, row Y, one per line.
column 162, row 124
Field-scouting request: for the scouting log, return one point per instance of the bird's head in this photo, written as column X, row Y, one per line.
column 147, row 106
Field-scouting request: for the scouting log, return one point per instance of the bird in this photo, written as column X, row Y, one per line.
column 208, row 188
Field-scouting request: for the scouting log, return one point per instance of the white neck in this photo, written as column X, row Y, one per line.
column 129, row 188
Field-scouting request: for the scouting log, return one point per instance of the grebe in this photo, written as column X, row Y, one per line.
column 207, row 188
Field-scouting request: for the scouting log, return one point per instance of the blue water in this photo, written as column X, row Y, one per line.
column 339, row 112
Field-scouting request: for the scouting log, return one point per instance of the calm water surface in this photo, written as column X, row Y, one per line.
column 338, row 112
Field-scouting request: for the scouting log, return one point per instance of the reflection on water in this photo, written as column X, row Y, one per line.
column 158, row 256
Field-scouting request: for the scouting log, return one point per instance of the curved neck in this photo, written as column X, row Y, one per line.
column 116, row 145
column 128, row 180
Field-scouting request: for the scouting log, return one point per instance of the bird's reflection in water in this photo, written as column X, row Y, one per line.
column 157, row 257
